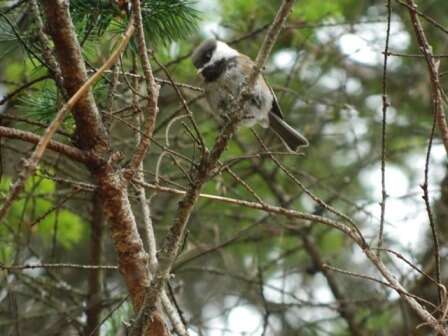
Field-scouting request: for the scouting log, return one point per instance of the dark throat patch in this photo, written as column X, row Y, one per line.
column 214, row 71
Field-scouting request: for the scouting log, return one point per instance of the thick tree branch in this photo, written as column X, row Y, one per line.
column 89, row 128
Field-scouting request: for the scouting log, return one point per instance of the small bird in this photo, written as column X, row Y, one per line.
column 225, row 72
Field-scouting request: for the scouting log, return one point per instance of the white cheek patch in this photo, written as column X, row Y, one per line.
column 222, row 51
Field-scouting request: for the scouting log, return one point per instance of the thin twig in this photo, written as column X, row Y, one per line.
column 57, row 265
column 152, row 91
column 21, row 88
column 318, row 200
column 109, row 315
column 432, row 223
column 345, row 310
column 383, row 130
column 379, row 281
column 390, row 53
column 413, row 8
column 33, row 123
column 67, row 150
column 148, row 229
column 184, row 104
column 410, row 264
column 161, row 81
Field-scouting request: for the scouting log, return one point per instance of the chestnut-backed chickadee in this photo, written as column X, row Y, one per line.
column 225, row 72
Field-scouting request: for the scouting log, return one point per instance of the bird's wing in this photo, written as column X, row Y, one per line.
column 247, row 64
column 275, row 105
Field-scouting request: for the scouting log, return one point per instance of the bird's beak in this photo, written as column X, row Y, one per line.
column 200, row 71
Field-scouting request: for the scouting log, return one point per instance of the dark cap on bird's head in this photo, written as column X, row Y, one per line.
column 203, row 53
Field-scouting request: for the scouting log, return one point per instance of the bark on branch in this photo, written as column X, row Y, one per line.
column 433, row 69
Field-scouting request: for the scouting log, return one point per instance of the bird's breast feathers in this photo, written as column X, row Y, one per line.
column 223, row 90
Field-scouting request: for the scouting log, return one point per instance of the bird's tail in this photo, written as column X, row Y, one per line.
column 289, row 135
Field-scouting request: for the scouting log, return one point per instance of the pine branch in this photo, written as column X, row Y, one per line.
column 163, row 20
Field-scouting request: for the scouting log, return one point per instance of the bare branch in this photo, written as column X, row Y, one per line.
column 383, row 129
column 59, row 265
column 437, row 92
column 67, row 150
column 152, row 91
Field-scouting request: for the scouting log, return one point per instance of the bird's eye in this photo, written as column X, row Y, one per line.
column 208, row 55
